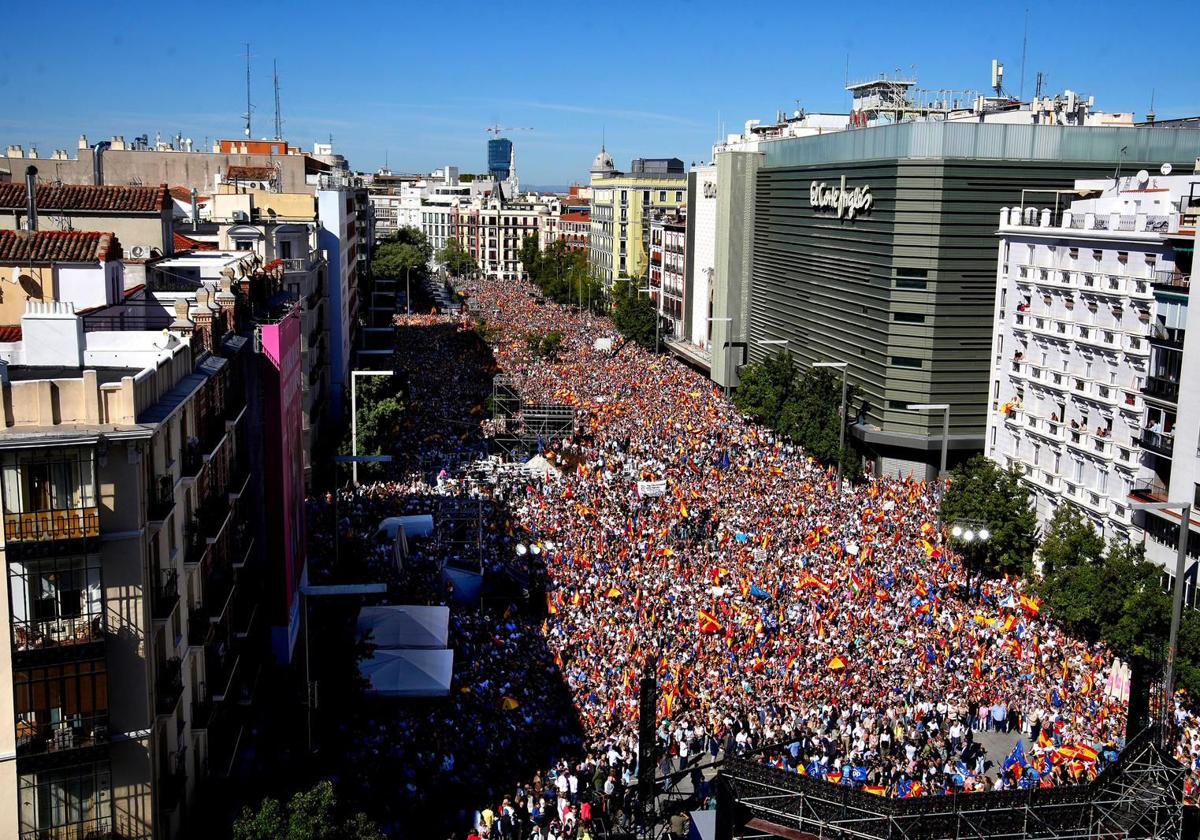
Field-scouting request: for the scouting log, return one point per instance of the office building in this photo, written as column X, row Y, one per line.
column 621, row 206
column 874, row 246
column 501, row 163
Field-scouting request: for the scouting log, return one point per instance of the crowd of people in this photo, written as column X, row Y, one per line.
column 831, row 634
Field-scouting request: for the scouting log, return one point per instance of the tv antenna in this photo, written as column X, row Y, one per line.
column 278, row 113
column 249, row 107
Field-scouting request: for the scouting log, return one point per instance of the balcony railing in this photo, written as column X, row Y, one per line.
column 51, row 525
column 1158, row 443
column 73, row 732
column 174, row 780
column 195, row 543
column 1161, row 388
column 162, row 498
column 1169, row 336
column 1149, row 491
column 58, row 632
column 100, row 828
column 165, row 595
column 169, row 685
column 1172, row 279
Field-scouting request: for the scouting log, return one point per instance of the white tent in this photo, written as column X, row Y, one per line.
column 405, row 626
column 409, row 673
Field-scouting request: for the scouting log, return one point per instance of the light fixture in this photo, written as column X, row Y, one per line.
column 969, row 535
column 984, row 533
column 956, row 531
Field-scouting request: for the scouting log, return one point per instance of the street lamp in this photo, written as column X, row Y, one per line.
column 726, row 348
column 970, row 533
column 943, row 407
column 842, row 413
column 407, row 290
column 649, row 290
column 1185, row 519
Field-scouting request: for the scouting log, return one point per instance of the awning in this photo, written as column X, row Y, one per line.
column 405, row 626
column 409, row 673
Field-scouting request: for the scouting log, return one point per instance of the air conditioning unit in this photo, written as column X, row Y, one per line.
column 138, row 252
column 241, row 216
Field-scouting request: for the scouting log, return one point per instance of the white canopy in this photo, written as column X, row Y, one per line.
column 405, row 626
column 409, row 673
column 419, row 525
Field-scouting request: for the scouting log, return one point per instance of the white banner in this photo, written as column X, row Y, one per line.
column 652, row 488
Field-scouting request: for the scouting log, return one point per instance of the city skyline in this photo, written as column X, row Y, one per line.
column 432, row 109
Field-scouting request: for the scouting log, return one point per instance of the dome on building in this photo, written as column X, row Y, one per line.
column 603, row 164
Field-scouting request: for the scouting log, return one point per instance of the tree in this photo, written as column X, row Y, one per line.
column 380, row 417
column 456, row 259
column 811, row 417
column 404, row 255
column 634, row 314
column 309, row 815
column 531, row 255
column 980, row 492
column 1069, row 540
column 765, row 388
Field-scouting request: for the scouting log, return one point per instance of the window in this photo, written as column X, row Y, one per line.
column 909, row 317
column 678, row 196
column 74, row 796
column 906, row 361
column 662, row 196
column 243, row 244
column 56, row 601
column 61, row 706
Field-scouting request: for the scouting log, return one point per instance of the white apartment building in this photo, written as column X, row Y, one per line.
column 1091, row 310
column 668, row 239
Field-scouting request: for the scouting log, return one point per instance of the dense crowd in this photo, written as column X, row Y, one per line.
column 829, row 634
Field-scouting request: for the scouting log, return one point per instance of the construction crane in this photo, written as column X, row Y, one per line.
column 497, row 130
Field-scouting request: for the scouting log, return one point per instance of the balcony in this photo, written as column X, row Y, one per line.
column 1136, row 345
column 1149, row 491
column 37, row 736
column 191, row 463
column 173, row 782
column 1094, row 445
column 1172, row 280
column 1161, row 388
column 51, row 526
column 162, row 498
column 1097, row 337
column 1159, row 443
column 1089, row 499
column 168, row 686
column 1167, row 336
column 195, row 544
column 165, row 594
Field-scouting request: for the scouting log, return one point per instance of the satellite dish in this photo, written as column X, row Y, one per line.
column 30, row 286
column 1142, row 176
column 1165, row 169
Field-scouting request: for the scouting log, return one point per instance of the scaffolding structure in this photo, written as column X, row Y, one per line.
column 1139, row 796
column 521, row 428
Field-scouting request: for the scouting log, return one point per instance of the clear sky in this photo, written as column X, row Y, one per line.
column 420, row 81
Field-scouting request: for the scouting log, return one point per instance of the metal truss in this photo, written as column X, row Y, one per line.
column 519, row 427
column 1139, row 796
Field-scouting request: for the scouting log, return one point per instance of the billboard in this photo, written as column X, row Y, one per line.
column 283, row 406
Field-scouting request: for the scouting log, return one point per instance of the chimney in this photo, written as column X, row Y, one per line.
column 33, row 153
column 52, row 334
column 16, row 152
column 31, row 197
column 83, row 143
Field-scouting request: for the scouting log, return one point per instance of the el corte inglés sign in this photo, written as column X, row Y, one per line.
column 844, row 202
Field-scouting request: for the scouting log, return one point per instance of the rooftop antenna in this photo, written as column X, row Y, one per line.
column 1150, row 115
column 278, row 113
column 1041, row 81
column 1024, row 44
column 249, row 107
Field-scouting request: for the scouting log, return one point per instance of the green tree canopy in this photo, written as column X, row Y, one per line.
column 456, row 259
column 981, row 492
column 380, row 415
column 406, row 253
column 765, row 388
column 634, row 313
column 309, row 815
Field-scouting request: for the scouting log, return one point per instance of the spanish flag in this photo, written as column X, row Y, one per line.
column 683, row 511
column 1085, row 753
column 875, row 789
column 1032, row 606
column 708, row 622
column 1044, row 741
column 1088, row 684
column 551, row 609
column 926, row 545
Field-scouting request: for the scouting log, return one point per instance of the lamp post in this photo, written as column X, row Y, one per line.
column 726, row 347
column 650, row 290
column 407, row 290
column 971, row 533
column 943, row 407
column 842, row 414
column 1185, row 519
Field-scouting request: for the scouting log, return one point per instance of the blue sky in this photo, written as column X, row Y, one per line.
column 419, row 82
